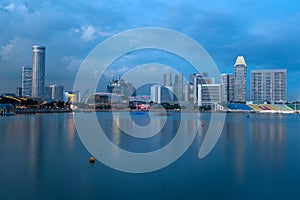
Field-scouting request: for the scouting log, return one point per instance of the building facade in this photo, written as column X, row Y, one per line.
column 72, row 96
column 209, row 94
column 199, row 79
column 268, row 86
column 178, row 87
column 19, row 91
column 57, row 92
column 54, row 92
column 26, row 80
column 227, row 82
column 240, row 77
column 155, row 93
column 38, row 70
column 167, row 79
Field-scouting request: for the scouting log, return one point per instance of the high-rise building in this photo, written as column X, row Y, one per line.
column 26, row 80
column 268, row 86
column 54, row 92
column 227, row 88
column 209, row 94
column 57, row 92
column 240, row 76
column 19, row 91
column 178, row 87
column 156, row 93
column 167, row 79
column 199, row 79
column 38, row 70
column 188, row 93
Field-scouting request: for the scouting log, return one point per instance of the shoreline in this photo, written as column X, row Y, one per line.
column 37, row 111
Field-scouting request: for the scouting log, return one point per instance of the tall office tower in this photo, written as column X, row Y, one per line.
column 188, row 93
column 199, row 78
column 268, row 85
column 240, row 76
column 26, row 80
column 19, row 91
column 156, row 93
column 54, row 92
column 57, row 92
column 38, row 70
column 209, row 95
column 167, row 79
column 178, row 87
column 227, row 88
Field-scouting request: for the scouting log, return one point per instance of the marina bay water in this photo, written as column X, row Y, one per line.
column 256, row 157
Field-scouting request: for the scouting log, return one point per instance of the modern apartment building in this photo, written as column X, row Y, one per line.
column 26, row 80
column 268, row 86
column 227, row 82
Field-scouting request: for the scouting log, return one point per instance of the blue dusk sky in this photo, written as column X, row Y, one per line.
column 265, row 32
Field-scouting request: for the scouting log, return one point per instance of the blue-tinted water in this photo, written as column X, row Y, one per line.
column 256, row 157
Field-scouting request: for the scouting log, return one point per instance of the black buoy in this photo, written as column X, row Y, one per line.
column 92, row 160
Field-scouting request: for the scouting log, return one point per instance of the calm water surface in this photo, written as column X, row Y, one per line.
column 256, row 157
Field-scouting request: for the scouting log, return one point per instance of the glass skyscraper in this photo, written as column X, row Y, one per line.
column 38, row 70
column 178, row 87
column 268, row 86
column 240, row 76
column 199, row 79
column 26, row 80
column 167, row 79
column 227, row 87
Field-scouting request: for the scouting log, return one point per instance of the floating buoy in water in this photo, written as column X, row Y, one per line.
column 92, row 160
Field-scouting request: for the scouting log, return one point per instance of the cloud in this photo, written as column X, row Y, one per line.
column 87, row 32
column 14, row 52
column 9, row 7
column 15, row 8
column 71, row 62
column 116, row 71
column 147, row 73
column 6, row 52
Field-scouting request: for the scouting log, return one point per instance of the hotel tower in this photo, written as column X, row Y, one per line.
column 38, row 70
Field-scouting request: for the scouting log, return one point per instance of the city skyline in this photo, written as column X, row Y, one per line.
column 266, row 85
column 213, row 24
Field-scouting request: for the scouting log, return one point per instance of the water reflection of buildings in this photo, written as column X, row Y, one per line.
column 32, row 141
column 236, row 143
column 269, row 138
column 256, row 141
